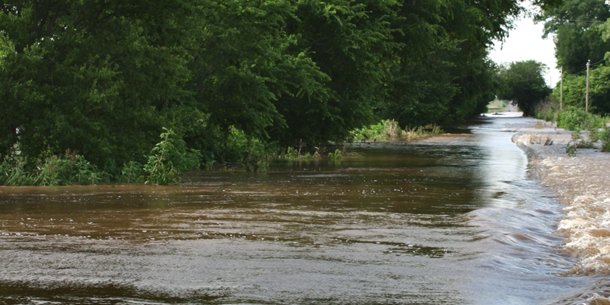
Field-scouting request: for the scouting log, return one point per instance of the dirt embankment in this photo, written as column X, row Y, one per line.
column 583, row 182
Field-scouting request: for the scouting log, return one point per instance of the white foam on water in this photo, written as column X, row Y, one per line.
column 584, row 185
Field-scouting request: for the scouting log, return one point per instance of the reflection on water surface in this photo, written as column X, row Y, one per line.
column 450, row 220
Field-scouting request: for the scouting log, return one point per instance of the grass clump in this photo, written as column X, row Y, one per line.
column 420, row 132
column 388, row 129
column 295, row 154
column 383, row 130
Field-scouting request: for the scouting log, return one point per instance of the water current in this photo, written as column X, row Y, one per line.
column 450, row 220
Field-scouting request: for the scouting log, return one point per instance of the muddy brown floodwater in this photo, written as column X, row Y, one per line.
column 450, row 220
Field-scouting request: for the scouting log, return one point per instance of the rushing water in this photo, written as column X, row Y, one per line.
column 452, row 220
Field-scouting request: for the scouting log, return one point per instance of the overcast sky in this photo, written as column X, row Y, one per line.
column 524, row 43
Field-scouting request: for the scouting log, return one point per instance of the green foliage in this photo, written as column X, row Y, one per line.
column 350, row 42
column 497, row 105
column 167, row 160
column 583, row 34
column 383, row 130
column 387, row 129
column 577, row 119
column 67, row 169
column 548, row 109
column 523, row 83
column 574, row 90
column 292, row 154
column 252, row 154
column 71, row 169
column 420, row 132
column 602, row 135
column 605, row 138
column 103, row 78
column 571, row 149
column 132, row 172
column 256, row 157
column 442, row 73
column 594, row 125
column 577, row 40
column 337, row 155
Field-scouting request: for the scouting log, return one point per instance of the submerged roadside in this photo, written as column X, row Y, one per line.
column 582, row 182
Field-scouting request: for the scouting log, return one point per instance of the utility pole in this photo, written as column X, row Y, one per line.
column 561, row 89
column 587, row 96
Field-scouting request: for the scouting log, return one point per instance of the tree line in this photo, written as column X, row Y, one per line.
column 225, row 78
column 582, row 30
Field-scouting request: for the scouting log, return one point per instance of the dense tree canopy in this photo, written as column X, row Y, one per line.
column 524, row 84
column 582, row 35
column 442, row 73
column 574, row 89
column 575, row 22
column 105, row 77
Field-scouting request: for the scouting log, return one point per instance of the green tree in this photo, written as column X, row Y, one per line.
column 599, row 82
column 523, row 83
column 575, row 23
column 443, row 74
column 351, row 43
column 102, row 78
column 574, row 90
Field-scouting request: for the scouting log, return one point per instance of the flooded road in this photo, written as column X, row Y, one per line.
column 451, row 220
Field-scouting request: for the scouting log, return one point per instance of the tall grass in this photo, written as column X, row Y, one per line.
column 420, row 132
column 383, row 130
column 388, row 129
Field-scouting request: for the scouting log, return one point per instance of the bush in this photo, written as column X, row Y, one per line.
column 381, row 131
column 132, row 172
column 578, row 119
column 337, row 155
column 423, row 132
column 256, row 157
column 167, row 160
column 68, row 169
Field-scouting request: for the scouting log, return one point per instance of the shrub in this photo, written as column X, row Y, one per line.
column 168, row 159
column 423, row 131
column 383, row 130
column 578, row 119
column 50, row 169
column 67, row 170
column 256, row 157
column 337, row 155
column 132, row 172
